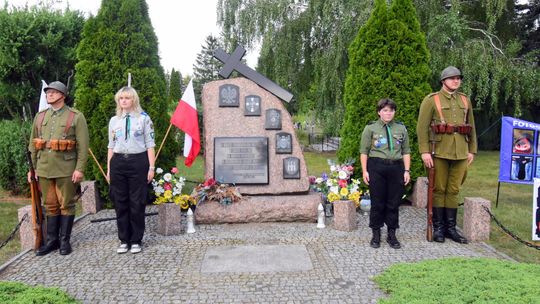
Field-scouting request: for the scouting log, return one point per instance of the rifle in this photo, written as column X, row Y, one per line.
column 431, row 187
column 37, row 211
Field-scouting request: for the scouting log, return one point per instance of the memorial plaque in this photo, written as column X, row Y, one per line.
column 241, row 160
column 272, row 119
column 291, row 168
column 283, row 143
column 229, row 95
column 253, row 106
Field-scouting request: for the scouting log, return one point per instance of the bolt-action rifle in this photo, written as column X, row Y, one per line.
column 37, row 212
column 431, row 187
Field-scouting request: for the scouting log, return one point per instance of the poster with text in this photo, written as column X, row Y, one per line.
column 520, row 151
column 536, row 211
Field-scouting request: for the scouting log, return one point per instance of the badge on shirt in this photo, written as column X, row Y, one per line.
column 379, row 141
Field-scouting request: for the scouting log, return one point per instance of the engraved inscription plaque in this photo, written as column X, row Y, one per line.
column 291, row 168
column 283, row 143
column 241, row 160
column 253, row 106
column 272, row 119
column 229, row 95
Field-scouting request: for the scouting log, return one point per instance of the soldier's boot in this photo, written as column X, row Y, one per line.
column 451, row 232
column 51, row 243
column 376, row 238
column 438, row 224
column 66, row 225
column 392, row 240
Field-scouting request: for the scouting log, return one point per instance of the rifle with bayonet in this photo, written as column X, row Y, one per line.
column 37, row 211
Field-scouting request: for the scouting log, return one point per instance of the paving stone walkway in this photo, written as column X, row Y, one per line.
column 169, row 268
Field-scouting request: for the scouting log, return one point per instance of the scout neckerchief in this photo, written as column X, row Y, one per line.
column 389, row 137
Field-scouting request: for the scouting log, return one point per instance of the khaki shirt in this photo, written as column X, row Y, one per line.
column 375, row 143
column 448, row 146
column 53, row 164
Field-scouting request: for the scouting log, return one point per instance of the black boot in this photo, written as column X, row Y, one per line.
column 52, row 243
column 438, row 224
column 66, row 224
column 451, row 232
column 376, row 238
column 392, row 240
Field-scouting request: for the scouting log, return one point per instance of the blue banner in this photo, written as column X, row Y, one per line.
column 520, row 151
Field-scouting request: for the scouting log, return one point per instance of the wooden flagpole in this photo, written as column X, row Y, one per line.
column 163, row 141
column 97, row 163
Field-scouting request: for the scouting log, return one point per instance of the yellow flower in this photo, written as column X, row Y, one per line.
column 184, row 204
column 332, row 197
column 167, row 194
column 344, row 192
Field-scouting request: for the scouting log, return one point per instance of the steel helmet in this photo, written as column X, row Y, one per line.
column 450, row 71
column 57, row 85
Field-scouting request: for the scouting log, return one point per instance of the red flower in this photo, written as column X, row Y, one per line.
column 209, row 182
column 167, row 186
column 174, row 170
column 342, row 183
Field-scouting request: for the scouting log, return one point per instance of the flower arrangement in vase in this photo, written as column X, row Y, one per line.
column 167, row 187
column 339, row 184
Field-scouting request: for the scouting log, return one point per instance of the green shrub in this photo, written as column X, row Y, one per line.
column 14, row 292
column 13, row 146
column 461, row 280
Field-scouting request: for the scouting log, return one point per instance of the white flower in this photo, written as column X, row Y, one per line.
column 343, row 175
column 329, row 182
column 354, row 188
column 318, row 180
column 167, row 177
column 159, row 190
column 334, row 189
column 333, row 168
column 159, row 170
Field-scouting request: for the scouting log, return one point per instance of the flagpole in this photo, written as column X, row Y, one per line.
column 97, row 163
column 163, row 141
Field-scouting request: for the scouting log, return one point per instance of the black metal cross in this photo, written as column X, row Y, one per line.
column 233, row 62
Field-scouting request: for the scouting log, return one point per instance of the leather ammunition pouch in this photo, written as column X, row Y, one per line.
column 54, row 144
column 39, row 143
column 442, row 128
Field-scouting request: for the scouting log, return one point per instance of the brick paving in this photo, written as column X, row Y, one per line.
column 169, row 268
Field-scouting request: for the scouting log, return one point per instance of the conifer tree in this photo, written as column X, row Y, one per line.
column 206, row 67
column 388, row 58
column 119, row 40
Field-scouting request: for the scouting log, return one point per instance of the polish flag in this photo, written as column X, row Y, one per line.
column 185, row 118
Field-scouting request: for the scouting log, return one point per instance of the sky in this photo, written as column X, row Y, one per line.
column 181, row 27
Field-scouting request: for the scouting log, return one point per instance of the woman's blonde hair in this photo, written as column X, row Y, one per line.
column 131, row 93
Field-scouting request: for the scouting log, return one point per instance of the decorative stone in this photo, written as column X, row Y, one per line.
column 229, row 95
column 231, row 122
column 476, row 220
column 291, row 168
column 345, row 216
column 252, row 106
column 283, row 208
column 91, row 202
column 420, row 192
column 169, row 219
column 26, row 231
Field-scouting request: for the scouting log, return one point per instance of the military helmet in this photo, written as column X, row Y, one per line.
column 57, row 85
column 450, row 71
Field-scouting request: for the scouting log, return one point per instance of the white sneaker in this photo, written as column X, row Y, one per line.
column 123, row 248
column 135, row 248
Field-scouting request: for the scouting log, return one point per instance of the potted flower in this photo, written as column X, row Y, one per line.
column 338, row 184
column 167, row 187
column 213, row 190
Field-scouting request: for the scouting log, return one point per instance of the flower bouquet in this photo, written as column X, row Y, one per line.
column 167, row 187
column 212, row 190
column 339, row 184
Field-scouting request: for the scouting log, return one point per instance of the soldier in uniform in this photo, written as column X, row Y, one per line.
column 130, row 163
column 385, row 157
column 447, row 142
column 59, row 148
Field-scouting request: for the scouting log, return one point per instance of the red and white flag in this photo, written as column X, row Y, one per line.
column 43, row 98
column 185, row 118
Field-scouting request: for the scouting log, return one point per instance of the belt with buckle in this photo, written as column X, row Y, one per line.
column 388, row 161
column 129, row 155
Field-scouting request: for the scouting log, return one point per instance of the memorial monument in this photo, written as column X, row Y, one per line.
column 250, row 141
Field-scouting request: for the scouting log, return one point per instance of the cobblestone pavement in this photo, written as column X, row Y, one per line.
column 169, row 268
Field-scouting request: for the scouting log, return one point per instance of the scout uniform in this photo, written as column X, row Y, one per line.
column 385, row 145
column 130, row 136
column 59, row 146
column 440, row 122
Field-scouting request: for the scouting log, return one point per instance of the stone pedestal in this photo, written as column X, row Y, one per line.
column 26, row 231
column 91, row 202
column 345, row 216
column 476, row 220
column 257, row 209
column 420, row 192
column 169, row 219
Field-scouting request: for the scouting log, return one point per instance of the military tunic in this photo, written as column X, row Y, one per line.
column 385, row 145
column 55, row 168
column 451, row 150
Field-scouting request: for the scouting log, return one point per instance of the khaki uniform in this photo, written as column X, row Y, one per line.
column 55, row 168
column 451, row 150
column 385, row 145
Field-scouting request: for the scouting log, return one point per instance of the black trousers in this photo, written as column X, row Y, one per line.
column 128, row 191
column 386, row 187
